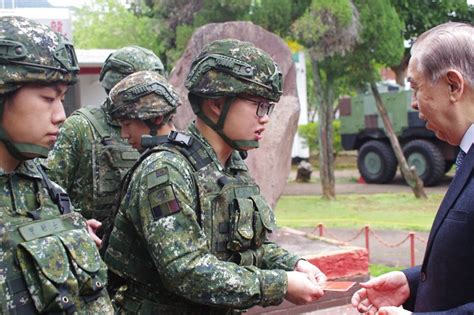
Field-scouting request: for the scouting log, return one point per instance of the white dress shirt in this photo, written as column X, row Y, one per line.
column 467, row 139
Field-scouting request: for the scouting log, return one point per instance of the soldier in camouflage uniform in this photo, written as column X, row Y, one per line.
column 190, row 236
column 146, row 102
column 48, row 261
column 90, row 158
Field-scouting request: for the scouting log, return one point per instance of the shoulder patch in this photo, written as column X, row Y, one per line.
column 163, row 202
column 157, row 177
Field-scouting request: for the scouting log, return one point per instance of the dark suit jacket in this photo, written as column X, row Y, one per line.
column 444, row 283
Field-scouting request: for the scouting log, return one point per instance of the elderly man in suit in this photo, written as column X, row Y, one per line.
column 441, row 74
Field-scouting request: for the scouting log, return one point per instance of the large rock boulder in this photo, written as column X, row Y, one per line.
column 270, row 164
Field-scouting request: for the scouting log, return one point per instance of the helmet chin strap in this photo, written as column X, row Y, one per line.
column 218, row 127
column 155, row 127
column 21, row 151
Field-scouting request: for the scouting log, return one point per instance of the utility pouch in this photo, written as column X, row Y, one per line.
column 45, row 268
column 263, row 220
column 241, row 232
column 60, row 264
column 88, row 268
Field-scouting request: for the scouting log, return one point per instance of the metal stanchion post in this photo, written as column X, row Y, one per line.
column 412, row 249
column 367, row 241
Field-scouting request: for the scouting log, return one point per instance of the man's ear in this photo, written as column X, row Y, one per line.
column 216, row 105
column 456, row 83
column 158, row 120
column 213, row 107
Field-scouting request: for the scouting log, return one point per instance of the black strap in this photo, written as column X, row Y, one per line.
column 192, row 150
column 57, row 195
column 20, row 297
column 35, row 215
column 23, row 308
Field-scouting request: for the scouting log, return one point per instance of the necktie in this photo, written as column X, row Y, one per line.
column 460, row 158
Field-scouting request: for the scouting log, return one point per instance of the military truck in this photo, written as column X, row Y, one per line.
column 362, row 129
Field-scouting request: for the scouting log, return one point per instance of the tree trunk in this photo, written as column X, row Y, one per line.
column 409, row 173
column 325, row 116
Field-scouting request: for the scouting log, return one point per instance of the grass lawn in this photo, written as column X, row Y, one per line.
column 401, row 211
column 377, row 270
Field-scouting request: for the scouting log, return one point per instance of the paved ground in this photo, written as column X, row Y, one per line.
column 346, row 183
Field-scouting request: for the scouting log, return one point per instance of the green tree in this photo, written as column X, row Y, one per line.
column 277, row 16
column 182, row 17
column 381, row 44
column 326, row 29
column 421, row 15
column 109, row 24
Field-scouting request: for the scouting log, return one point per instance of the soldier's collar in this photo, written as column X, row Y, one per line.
column 26, row 168
column 235, row 162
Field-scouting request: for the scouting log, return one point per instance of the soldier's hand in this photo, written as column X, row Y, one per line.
column 92, row 226
column 301, row 289
column 313, row 272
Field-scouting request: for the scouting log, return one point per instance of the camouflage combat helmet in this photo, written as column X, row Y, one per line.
column 231, row 67
column 143, row 95
column 31, row 52
column 228, row 68
column 125, row 61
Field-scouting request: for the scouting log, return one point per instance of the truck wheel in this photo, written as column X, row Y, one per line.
column 447, row 165
column 376, row 162
column 428, row 160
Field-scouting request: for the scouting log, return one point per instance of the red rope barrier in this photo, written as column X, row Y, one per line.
column 411, row 236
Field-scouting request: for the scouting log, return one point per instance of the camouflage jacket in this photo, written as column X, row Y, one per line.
column 180, row 265
column 75, row 163
column 46, row 259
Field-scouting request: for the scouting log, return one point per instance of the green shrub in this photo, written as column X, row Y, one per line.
column 310, row 133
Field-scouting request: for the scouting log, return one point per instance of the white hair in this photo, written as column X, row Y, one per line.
column 446, row 46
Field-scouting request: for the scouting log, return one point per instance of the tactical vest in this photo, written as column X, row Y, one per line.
column 111, row 159
column 49, row 263
column 231, row 212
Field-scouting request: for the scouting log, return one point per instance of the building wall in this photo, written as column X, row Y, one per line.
column 91, row 92
column 300, row 149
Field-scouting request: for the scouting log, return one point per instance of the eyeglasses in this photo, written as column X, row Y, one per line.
column 263, row 107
